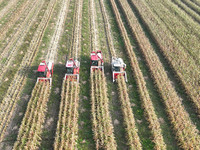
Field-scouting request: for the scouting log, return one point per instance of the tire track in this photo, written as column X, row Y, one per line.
column 12, row 96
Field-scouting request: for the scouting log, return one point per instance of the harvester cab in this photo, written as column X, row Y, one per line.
column 72, row 69
column 118, row 68
column 45, row 71
column 96, row 61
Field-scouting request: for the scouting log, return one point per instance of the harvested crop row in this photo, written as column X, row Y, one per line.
column 185, row 130
column 187, row 71
column 12, row 49
column 129, row 121
column 188, row 10
column 144, row 95
column 9, row 102
column 14, row 21
column 102, row 124
column 8, row 7
column 185, row 30
column 76, row 38
column 93, row 28
column 67, row 127
column 53, row 47
column 192, row 6
column 9, row 15
column 31, row 128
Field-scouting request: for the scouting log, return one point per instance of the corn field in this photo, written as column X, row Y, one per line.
column 158, row 108
column 102, row 125
column 31, row 128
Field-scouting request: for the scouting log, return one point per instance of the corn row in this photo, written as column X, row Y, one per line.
column 192, row 5
column 185, row 130
column 144, row 95
column 12, row 96
column 108, row 29
column 67, row 128
column 129, row 121
column 196, row 2
column 183, row 5
column 31, row 127
column 182, row 62
column 102, row 124
column 12, row 48
column 185, row 30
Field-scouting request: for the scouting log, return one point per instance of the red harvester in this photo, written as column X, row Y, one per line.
column 118, row 68
column 72, row 68
column 45, row 71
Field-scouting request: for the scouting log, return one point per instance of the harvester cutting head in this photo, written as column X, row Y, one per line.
column 45, row 72
column 72, row 70
column 96, row 61
column 118, row 68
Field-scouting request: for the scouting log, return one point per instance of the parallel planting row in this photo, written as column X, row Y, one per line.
column 30, row 131
column 144, row 95
column 185, row 130
column 102, row 124
column 67, row 127
column 12, row 96
column 142, row 23
column 187, row 71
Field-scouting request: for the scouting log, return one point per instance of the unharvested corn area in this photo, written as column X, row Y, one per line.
column 67, row 127
column 129, row 121
column 30, row 131
column 102, row 124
